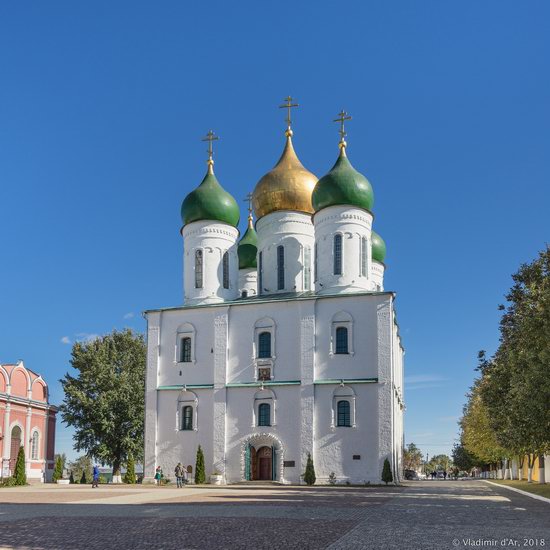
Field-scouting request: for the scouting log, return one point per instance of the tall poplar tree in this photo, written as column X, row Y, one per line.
column 105, row 401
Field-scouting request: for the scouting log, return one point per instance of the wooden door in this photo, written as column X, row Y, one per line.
column 264, row 464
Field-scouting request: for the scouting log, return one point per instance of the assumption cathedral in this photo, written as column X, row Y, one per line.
column 286, row 343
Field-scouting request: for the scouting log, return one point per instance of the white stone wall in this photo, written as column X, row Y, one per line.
column 308, row 374
column 294, row 231
column 214, row 239
column 353, row 224
column 377, row 275
column 248, row 282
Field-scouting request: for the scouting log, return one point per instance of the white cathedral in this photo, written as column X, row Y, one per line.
column 286, row 343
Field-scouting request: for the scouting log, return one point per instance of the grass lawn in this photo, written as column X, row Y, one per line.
column 542, row 489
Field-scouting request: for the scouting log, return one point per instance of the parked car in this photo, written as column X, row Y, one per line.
column 411, row 475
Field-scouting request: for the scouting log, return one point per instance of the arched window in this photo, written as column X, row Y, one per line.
column 34, row 445
column 341, row 340
column 225, row 269
column 280, row 267
column 260, row 273
column 187, row 418
column 264, row 345
column 337, row 254
column 264, row 415
column 244, row 294
column 185, row 353
column 198, row 268
column 343, row 414
column 364, row 256
column 307, row 268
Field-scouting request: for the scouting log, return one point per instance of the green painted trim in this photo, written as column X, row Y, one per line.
column 191, row 386
column 259, row 384
column 348, row 381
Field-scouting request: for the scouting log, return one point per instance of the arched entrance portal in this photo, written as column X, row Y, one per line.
column 15, row 445
column 262, row 458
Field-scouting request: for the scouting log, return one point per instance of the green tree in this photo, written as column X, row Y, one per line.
column 19, row 474
column 309, row 475
column 58, row 469
column 412, row 457
column 71, row 478
column 462, row 458
column 130, row 475
column 82, row 468
column 105, row 401
column 200, row 474
column 387, row 476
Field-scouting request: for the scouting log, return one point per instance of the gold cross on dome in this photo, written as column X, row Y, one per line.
column 288, row 105
column 210, row 137
column 342, row 117
column 248, row 199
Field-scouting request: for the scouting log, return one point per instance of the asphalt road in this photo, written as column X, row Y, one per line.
column 419, row 515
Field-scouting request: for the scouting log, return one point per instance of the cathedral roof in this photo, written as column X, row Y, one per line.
column 248, row 247
column 287, row 186
column 210, row 201
column 343, row 185
column 378, row 248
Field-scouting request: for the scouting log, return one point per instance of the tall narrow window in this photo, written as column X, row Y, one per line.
column 280, row 268
column 260, row 273
column 315, row 275
column 264, row 414
column 337, row 254
column 342, row 340
column 225, row 269
column 343, row 414
column 307, row 268
column 187, row 418
column 34, row 446
column 198, row 268
column 185, row 350
column 264, row 345
column 364, row 256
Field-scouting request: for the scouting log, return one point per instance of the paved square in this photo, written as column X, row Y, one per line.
column 423, row 515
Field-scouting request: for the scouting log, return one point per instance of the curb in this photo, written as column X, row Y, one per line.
column 527, row 494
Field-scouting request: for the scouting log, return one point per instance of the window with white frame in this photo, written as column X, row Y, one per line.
column 199, row 267
column 185, row 344
column 364, row 248
column 35, row 449
column 187, row 411
column 264, row 348
column 280, row 267
column 341, row 338
column 225, row 269
column 264, row 408
column 343, row 407
column 337, row 254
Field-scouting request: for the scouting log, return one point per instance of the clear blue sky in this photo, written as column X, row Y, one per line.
column 103, row 104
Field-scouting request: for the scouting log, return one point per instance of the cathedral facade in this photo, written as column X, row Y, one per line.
column 287, row 344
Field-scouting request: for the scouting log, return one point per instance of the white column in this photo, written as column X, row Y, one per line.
column 151, row 382
column 6, row 440
column 307, row 389
column 26, row 441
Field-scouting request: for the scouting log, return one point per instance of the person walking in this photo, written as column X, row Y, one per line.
column 95, row 477
column 179, row 475
column 158, row 475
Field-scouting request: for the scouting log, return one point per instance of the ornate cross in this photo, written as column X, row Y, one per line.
column 288, row 105
column 342, row 117
column 248, row 199
column 210, row 137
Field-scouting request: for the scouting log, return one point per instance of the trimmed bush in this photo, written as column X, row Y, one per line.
column 83, row 479
column 130, row 475
column 200, row 474
column 387, row 476
column 71, row 478
column 309, row 476
column 58, row 470
column 20, row 475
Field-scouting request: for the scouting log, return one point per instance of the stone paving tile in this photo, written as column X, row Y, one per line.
column 174, row 533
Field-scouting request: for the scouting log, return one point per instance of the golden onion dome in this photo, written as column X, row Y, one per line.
column 288, row 186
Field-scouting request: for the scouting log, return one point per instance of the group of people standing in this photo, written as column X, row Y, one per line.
column 182, row 476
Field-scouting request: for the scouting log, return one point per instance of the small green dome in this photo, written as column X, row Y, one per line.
column 343, row 185
column 210, row 201
column 378, row 248
column 248, row 248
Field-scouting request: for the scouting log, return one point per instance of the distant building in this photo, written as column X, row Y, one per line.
column 26, row 419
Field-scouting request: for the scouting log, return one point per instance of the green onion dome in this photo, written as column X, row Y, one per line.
column 378, row 248
column 248, row 247
column 210, row 201
column 343, row 185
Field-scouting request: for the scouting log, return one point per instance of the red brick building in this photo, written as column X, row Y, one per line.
column 28, row 420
